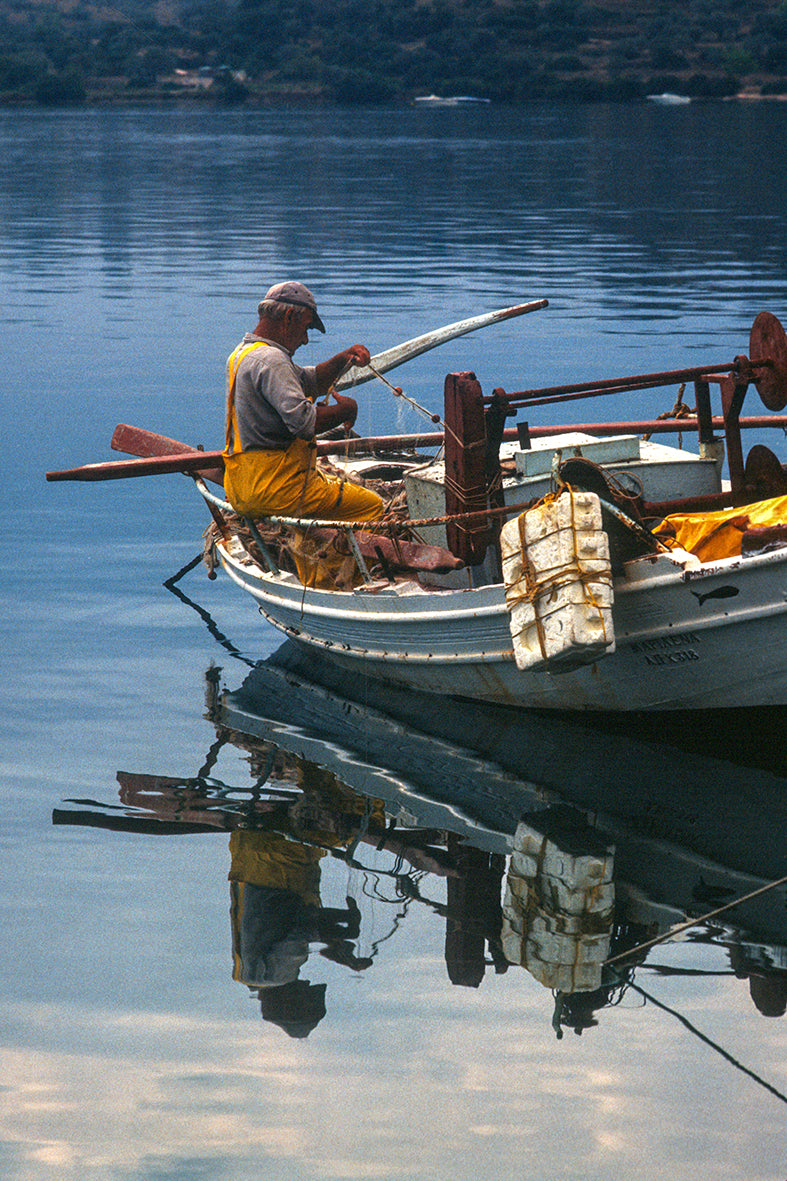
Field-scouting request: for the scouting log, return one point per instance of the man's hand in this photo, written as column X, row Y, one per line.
column 357, row 354
column 343, row 411
column 330, row 371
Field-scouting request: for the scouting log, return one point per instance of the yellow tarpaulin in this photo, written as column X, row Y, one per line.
column 718, row 535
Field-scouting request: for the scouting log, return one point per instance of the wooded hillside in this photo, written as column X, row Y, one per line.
column 373, row 51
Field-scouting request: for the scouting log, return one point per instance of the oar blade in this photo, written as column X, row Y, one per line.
column 134, row 440
column 400, row 353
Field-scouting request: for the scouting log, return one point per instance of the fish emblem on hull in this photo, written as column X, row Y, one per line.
column 721, row 592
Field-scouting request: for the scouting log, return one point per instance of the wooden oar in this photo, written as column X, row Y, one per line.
column 393, row 357
column 157, row 465
column 162, row 455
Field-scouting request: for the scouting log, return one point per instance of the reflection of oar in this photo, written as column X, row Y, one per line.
column 400, row 353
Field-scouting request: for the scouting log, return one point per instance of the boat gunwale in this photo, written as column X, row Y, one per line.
column 719, row 568
column 303, row 597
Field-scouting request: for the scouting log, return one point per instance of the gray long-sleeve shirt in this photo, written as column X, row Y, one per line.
column 272, row 398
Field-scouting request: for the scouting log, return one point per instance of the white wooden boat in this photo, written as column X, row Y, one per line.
column 686, row 638
column 688, row 634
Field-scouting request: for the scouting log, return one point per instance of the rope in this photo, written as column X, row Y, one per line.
column 406, row 523
column 475, row 495
column 170, row 582
column 679, row 410
column 725, row 1054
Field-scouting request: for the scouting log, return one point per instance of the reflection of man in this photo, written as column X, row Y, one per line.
column 276, row 914
column 296, row 1007
column 767, row 984
column 269, row 459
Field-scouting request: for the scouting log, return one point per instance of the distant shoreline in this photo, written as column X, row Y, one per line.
column 264, row 102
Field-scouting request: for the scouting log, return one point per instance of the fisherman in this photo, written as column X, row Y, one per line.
column 270, row 456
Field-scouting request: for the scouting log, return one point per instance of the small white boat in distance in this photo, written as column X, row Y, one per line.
column 669, row 100
column 452, row 100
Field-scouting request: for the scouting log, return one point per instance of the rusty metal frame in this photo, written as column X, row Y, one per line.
column 474, row 424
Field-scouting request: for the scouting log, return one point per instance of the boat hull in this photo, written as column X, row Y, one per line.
column 685, row 639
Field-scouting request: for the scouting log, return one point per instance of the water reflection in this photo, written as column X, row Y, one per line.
column 649, row 214
column 556, row 867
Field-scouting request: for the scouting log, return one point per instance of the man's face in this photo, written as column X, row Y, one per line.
column 298, row 321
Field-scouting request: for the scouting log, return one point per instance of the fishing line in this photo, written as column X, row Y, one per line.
column 398, row 392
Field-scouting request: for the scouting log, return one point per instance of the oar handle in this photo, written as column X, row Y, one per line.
column 158, row 465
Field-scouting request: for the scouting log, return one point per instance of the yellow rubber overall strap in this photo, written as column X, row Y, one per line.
column 233, row 364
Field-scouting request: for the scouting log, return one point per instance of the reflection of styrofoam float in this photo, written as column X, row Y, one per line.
column 558, row 909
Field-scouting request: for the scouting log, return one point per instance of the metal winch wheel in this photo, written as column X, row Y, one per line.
column 768, row 345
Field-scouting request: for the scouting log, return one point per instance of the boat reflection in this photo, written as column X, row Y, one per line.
column 565, row 854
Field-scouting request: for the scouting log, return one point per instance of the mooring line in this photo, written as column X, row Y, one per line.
column 206, row 616
column 708, row 1041
column 673, row 931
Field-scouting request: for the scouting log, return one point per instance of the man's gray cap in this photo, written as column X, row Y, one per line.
column 298, row 296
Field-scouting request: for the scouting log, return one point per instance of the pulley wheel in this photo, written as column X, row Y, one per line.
column 764, row 476
column 768, row 342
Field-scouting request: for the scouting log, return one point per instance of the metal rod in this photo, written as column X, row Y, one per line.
column 654, row 426
column 517, row 402
column 704, row 411
column 360, row 563
column 613, row 384
column 688, row 504
column 268, row 557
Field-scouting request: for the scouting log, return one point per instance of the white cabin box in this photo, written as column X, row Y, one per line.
column 538, row 459
column 664, row 473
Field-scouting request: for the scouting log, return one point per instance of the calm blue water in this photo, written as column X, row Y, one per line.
column 133, row 249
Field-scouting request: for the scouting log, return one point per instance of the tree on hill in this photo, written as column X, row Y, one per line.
column 374, row 51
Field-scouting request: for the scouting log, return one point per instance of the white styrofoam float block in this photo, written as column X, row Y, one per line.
column 558, row 580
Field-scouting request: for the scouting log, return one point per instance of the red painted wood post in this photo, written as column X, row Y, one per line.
column 465, row 466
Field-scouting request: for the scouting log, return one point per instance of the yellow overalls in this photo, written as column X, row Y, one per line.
column 285, row 483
